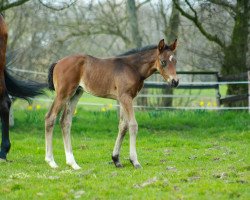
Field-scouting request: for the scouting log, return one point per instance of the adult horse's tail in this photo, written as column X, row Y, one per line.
column 22, row 89
column 50, row 77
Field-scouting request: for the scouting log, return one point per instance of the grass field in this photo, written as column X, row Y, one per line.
column 185, row 155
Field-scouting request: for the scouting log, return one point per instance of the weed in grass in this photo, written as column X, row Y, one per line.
column 155, row 114
column 32, row 116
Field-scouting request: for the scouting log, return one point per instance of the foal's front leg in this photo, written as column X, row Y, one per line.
column 127, row 104
column 123, row 127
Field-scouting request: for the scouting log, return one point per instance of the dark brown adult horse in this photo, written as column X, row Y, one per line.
column 119, row 78
column 9, row 85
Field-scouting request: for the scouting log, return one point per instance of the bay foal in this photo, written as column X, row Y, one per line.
column 119, row 78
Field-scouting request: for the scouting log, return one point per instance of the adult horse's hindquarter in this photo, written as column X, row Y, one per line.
column 4, row 98
column 12, row 86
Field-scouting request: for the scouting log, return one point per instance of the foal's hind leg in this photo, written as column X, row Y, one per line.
column 123, row 127
column 66, row 122
column 4, row 112
column 50, row 119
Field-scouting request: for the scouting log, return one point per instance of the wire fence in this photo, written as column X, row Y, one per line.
column 151, row 107
column 183, row 85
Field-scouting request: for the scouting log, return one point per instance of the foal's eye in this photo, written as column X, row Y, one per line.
column 163, row 63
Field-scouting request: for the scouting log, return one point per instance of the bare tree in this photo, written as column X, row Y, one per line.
column 133, row 21
column 171, row 29
column 235, row 49
column 136, row 39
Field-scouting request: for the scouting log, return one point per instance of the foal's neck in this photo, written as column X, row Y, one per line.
column 144, row 62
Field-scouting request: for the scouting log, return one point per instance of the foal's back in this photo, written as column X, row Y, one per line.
column 100, row 77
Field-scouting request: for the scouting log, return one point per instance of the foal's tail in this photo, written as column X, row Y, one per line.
column 50, row 76
column 22, row 89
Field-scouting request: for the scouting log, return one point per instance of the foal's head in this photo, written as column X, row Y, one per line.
column 165, row 63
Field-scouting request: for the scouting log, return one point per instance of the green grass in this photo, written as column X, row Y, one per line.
column 185, row 155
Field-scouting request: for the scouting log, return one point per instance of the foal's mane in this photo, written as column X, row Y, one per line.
column 140, row 50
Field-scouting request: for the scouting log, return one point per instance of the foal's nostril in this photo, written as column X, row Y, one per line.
column 177, row 83
column 174, row 83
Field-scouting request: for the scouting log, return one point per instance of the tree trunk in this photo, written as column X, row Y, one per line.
column 171, row 33
column 235, row 54
column 136, row 39
column 133, row 21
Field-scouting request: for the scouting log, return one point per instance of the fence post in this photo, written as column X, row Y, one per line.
column 248, row 78
column 218, row 96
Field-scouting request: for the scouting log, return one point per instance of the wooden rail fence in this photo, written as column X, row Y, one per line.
column 243, row 78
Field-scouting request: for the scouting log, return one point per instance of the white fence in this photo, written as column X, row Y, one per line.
column 244, row 78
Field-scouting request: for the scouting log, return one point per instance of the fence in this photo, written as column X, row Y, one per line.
column 243, row 78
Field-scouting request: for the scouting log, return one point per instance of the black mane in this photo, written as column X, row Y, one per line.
column 138, row 50
column 141, row 49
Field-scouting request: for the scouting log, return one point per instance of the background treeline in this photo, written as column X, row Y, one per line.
column 213, row 35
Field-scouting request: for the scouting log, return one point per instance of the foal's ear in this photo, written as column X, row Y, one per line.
column 161, row 46
column 173, row 45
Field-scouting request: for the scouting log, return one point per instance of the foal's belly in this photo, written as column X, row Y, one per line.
column 99, row 89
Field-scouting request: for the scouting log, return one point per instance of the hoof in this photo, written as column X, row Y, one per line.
column 3, row 160
column 52, row 163
column 3, row 156
column 116, row 161
column 136, row 164
column 118, row 165
column 74, row 166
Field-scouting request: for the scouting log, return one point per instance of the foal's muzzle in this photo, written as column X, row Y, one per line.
column 174, row 83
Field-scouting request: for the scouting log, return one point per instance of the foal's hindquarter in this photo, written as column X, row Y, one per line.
column 108, row 78
column 4, row 98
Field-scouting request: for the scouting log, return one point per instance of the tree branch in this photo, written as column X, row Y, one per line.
column 163, row 15
column 5, row 6
column 191, row 8
column 198, row 24
column 224, row 3
column 141, row 4
column 64, row 6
